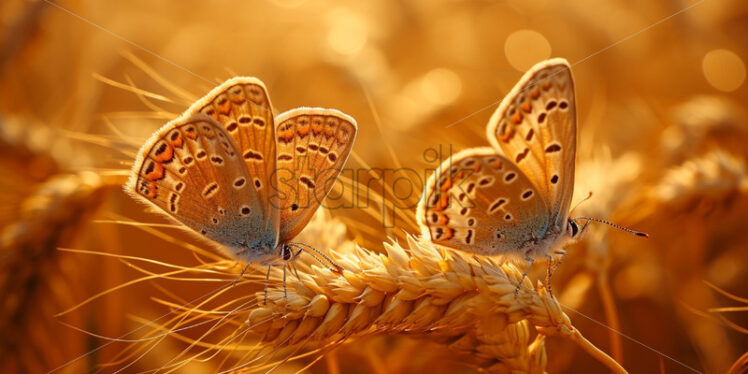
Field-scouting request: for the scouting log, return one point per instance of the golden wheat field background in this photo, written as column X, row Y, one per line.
column 91, row 281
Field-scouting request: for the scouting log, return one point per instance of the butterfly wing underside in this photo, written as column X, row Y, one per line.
column 479, row 201
column 242, row 106
column 313, row 146
column 535, row 127
column 193, row 171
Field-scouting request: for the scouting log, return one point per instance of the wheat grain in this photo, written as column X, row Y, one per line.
column 419, row 291
column 415, row 290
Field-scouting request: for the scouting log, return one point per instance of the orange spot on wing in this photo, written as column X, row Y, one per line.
column 157, row 172
column 449, row 234
column 546, row 85
column 178, row 142
column 517, row 118
column 507, row 136
column 443, row 218
column 224, row 108
column 317, row 127
column 443, row 203
column 497, row 164
column 302, row 130
column 166, row 155
column 286, row 136
column 191, row 134
column 535, row 93
column 526, row 106
column 447, row 184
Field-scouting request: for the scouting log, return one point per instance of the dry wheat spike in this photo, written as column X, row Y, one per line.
column 420, row 291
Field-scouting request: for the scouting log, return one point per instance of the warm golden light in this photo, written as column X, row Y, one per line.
column 645, row 126
column 524, row 48
column 347, row 34
column 723, row 69
column 441, row 86
column 424, row 96
column 289, row 3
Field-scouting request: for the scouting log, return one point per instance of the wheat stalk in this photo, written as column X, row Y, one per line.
column 415, row 290
column 419, row 291
column 33, row 282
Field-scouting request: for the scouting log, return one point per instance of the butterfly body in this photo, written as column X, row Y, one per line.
column 513, row 198
column 215, row 169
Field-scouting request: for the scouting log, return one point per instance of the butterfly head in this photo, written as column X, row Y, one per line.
column 286, row 253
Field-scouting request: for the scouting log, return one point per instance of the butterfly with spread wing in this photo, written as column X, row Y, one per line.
column 246, row 180
column 513, row 198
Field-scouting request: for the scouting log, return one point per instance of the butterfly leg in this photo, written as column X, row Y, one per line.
column 241, row 275
column 562, row 254
column 295, row 271
column 285, row 290
column 294, row 266
column 267, row 283
column 524, row 275
column 548, row 275
column 552, row 266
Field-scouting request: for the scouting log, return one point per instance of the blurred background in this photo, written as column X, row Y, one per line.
column 662, row 145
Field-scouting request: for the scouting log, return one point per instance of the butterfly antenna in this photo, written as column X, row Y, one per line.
column 306, row 247
column 630, row 231
column 583, row 200
column 300, row 248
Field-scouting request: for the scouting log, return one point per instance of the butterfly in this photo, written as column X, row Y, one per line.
column 513, row 198
column 237, row 175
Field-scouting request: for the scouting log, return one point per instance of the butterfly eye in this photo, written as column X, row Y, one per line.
column 573, row 229
column 286, row 253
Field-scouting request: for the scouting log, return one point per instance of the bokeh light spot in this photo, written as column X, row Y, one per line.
column 723, row 69
column 524, row 48
column 348, row 33
column 441, row 86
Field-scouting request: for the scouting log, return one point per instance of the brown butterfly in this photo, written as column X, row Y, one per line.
column 513, row 198
column 241, row 177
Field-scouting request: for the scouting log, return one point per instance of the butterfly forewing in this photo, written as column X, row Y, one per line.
column 192, row 170
column 479, row 201
column 535, row 127
column 313, row 145
column 242, row 106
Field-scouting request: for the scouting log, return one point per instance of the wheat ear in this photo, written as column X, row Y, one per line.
column 421, row 291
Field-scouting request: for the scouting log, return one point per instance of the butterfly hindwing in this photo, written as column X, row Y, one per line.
column 242, row 106
column 313, row 145
column 192, row 170
column 216, row 168
column 535, row 127
column 479, row 201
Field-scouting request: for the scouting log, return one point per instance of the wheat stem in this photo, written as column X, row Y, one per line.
column 596, row 353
